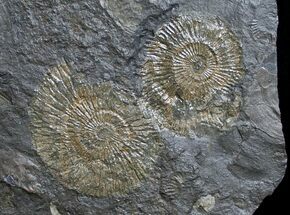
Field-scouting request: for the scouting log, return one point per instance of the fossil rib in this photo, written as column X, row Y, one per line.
column 93, row 138
column 191, row 65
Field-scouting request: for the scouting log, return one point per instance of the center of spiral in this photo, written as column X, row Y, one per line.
column 104, row 133
column 198, row 64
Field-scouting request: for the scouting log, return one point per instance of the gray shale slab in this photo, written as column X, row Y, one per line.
column 218, row 172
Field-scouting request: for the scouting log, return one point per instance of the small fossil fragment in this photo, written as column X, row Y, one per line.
column 93, row 138
column 189, row 74
column 207, row 203
column 53, row 209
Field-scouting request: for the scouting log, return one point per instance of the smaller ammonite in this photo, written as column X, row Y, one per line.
column 93, row 138
column 172, row 186
column 191, row 68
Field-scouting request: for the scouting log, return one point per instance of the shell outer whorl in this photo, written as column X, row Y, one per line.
column 93, row 138
column 191, row 70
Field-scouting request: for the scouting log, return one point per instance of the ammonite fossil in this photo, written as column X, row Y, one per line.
column 171, row 187
column 93, row 138
column 190, row 70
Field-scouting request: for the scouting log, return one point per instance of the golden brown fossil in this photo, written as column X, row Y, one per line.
column 190, row 73
column 93, row 138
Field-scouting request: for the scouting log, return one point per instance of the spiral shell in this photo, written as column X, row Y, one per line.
column 171, row 187
column 94, row 139
column 189, row 74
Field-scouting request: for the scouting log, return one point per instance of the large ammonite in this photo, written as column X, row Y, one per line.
column 93, row 138
column 190, row 70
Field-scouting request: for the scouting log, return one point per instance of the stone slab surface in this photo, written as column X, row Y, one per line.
column 216, row 172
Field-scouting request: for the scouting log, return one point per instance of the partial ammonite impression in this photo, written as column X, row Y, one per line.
column 189, row 74
column 93, row 138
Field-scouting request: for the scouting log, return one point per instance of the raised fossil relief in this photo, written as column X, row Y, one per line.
column 172, row 186
column 190, row 73
column 93, row 138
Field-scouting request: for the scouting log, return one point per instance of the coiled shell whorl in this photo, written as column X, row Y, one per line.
column 190, row 72
column 93, row 138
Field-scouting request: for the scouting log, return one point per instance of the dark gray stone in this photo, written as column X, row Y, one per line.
column 216, row 172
